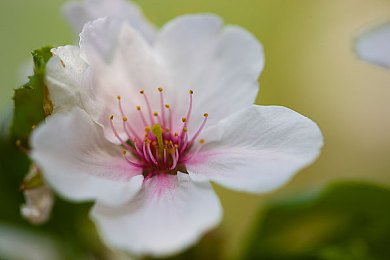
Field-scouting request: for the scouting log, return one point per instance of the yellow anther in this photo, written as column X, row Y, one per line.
column 148, row 141
column 185, row 129
column 146, row 135
column 191, row 91
column 176, row 134
column 145, row 139
column 62, row 63
column 138, row 108
column 176, row 146
column 167, row 105
column 18, row 142
column 166, row 142
column 170, row 142
column 160, row 89
column 112, row 117
column 33, row 126
column 135, row 140
column 141, row 91
column 124, row 118
column 205, row 115
column 167, row 130
column 155, row 114
column 124, row 152
column 154, row 143
column 147, row 128
column 184, row 119
column 157, row 131
column 201, row 141
column 118, row 97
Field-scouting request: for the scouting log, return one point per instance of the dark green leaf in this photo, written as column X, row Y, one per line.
column 31, row 104
column 345, row 221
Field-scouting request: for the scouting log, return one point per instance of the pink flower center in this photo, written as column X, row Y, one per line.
column 158, row 148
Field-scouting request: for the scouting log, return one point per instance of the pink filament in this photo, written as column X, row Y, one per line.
column 151, row 155
column 143, row 118
column 148, row 177
column 149, row 109
column 118, row 137
column 133, row 163
column 198, row 132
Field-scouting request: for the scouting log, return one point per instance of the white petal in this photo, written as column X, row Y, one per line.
column 79, row 13
column 122, row 63
column 79, row 163
column 374, row 46
column 257, row 149
column 221, row 64
column 64, row 75
column 168, row 215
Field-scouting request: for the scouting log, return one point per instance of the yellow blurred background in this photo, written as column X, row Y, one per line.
column 310, row 68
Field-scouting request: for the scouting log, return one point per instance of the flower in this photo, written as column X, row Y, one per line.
column 142, row 126
column 374, row 46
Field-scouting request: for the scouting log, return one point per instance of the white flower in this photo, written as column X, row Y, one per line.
column 374, row 46
column 131, row 129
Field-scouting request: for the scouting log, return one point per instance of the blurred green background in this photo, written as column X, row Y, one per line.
column 310, row 68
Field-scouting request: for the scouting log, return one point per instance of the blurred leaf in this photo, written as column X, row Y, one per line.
column 345, row 221
column 31, row 103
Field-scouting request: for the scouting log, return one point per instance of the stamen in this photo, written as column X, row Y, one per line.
column 21, row 147
column 170, row 116
column 145, row 153
column 184, row 146
column 125, row 123
column 175, row 157
column 165, row 157
column 142, row 92
column 137, row 148
column 125, row 128
column 151, row 156
column 130, row 162
column 158, row 118
column 142, row 116
column 190, row 107
column 117, row 135
column 199, row 130
column 148, row 177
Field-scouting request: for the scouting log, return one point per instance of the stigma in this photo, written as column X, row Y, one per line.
column 160, row 147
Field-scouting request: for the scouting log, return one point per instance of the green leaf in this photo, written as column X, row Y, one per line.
column 344, row 221
column 31, row 103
